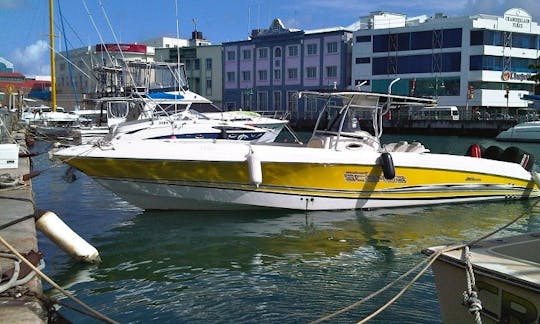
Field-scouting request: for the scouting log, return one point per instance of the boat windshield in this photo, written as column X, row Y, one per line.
column 123, row 109
column 343, row 120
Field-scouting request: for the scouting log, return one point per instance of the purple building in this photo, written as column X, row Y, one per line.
column 265, row 72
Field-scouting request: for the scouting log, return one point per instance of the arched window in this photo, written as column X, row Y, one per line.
column 277, row 52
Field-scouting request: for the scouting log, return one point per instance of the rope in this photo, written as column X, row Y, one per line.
column 470, row 296
column 36, row 173
column 432, row 259
column 55, row 285
column 474, row 302
column 365, row 299
column 18, row 220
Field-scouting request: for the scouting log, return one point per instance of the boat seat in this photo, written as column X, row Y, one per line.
column 316, row 142
column 403, row 146
column 416, row 147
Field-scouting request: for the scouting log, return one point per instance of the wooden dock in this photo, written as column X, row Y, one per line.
column 19, row 304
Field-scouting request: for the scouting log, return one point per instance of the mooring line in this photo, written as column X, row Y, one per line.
column 55, row 285
column 429, row 261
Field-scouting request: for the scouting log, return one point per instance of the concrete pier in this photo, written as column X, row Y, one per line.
column 19, row 304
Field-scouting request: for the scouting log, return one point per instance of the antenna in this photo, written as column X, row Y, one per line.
column 249, row 21
column 259, row 16
column 194, row 23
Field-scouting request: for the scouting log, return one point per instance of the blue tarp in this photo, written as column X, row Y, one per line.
column 42, row 95
column 164, row 95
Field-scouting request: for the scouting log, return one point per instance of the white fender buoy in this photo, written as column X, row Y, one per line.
column 57, row 231
column 255, row 169
column 388, row 168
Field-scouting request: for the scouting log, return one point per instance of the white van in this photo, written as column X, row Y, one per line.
column 437, row 113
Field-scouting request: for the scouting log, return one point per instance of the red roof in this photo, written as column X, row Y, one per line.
column 12, row 74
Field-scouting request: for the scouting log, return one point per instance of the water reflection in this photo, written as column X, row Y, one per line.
column 263, row 266
column 278, row 265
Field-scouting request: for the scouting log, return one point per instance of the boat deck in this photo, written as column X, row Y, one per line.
column 514, row 258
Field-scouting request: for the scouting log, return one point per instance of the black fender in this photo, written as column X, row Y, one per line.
column 387, row 163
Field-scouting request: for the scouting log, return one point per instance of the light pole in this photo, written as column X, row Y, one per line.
column 251, row 99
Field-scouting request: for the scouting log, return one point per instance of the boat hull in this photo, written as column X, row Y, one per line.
column 524, row 132
column 184, row 174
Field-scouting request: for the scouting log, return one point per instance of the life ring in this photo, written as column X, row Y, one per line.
column 387, row 163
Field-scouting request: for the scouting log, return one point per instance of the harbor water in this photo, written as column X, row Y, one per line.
column 257, row 266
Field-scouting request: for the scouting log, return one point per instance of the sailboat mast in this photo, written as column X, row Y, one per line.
column 51, row 45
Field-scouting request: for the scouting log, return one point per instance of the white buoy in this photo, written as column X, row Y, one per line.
column 255, row 169
column 57, row 231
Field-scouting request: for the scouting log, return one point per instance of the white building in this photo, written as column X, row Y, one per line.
column 477, row 62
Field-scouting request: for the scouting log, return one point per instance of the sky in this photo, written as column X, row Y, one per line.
column 24, row 24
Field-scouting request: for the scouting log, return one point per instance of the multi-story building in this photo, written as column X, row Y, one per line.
column 478, row 63
column 203, row 64
column 265, row 72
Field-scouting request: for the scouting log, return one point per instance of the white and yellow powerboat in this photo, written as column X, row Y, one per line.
column 341, row 167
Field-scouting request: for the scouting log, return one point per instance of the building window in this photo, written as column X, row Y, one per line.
column 231, row 55
column 231, row 77
column 292, row 73
column 331, row 47
column 247, row 99
column 331, row 71
column 496, row 63
column 246, row 75
column 311, row 72
column 263, row 53
column 277, row 52
column 263, row 75
column 208, row 63
column 451, row 62
column 292, row 101
column 277, row 100
column 188, row 65
column 311, row 49
column 208, row 87
column 363, row 39
column 277, row 63
column 293, row 50
column 196, row 64
column 262, row 100
column 362, row 60
column 246, row 54
column 277, row 74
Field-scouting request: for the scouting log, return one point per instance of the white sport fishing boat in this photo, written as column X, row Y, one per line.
column 341, row 167
column 141, row 109
column 507, row 280
column 523, row 132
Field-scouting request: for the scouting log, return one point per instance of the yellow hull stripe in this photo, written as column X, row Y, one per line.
column 330, row 180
